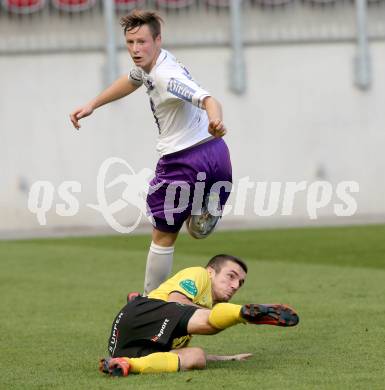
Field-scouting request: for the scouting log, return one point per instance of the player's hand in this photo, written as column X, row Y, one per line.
column 80, row 113
column 241, row 356
column 217, row 128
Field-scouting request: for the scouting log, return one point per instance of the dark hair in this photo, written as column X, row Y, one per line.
column 218, row 261
column 138, row 18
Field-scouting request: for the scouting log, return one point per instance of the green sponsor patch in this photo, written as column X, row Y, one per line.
column 189, row 286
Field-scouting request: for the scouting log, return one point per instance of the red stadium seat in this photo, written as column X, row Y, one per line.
column 174, row 3
column 73, row 5
column 127, row 5
column 23, row 6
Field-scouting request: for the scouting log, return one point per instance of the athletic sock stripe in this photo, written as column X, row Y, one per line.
column 161, row 250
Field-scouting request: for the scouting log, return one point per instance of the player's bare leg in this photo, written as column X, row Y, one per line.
column 182, row 359
column 164, row 239
column 159, row 259
column 224, row 315
column 199, row 323
column 191, row 358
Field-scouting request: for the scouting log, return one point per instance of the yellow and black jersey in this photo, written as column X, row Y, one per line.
column 192, row 282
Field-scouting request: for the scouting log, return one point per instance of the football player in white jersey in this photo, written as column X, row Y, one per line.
column 190, row 131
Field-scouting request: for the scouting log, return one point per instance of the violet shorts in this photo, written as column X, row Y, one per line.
column 183, row 180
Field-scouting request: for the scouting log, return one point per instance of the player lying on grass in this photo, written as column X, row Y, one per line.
column 151, row 334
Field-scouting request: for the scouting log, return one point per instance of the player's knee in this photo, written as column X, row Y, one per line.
column 166, row 239
column 199, row 361
column 193, row 359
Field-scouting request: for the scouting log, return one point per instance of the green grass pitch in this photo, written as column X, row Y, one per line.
column 59, row 297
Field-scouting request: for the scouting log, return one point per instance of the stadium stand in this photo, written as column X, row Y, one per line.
column 320, row 2
column 218, row 3
column 272, row 3
column 62, row 25
column 73, row 5
column 174, row 4
column 128, row 5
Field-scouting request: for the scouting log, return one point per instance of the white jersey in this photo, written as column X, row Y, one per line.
column 176, row 102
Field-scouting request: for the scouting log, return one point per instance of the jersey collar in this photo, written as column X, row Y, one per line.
column 161, row 57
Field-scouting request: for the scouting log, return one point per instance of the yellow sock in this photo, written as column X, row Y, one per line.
column 155, row 362
column 224, row 315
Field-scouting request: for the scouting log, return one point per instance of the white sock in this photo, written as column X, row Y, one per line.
column 158, row 268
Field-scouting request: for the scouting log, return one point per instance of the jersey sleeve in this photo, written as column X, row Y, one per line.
column 136, row 76
column 180, row 85
column 192, row 282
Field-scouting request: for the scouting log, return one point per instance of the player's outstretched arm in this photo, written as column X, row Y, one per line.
column 238, row 357
column 214, row 113
column 118, row 89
